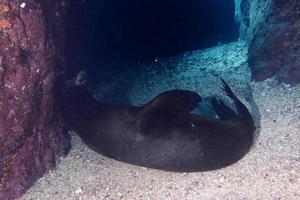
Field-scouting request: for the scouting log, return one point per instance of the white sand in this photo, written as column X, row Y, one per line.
column 271, row 170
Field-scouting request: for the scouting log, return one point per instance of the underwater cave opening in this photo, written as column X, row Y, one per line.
column 118, row 34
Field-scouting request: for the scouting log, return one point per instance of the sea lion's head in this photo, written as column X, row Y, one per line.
column 80, row 78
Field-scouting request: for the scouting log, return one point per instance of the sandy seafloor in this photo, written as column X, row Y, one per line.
column 271, row 170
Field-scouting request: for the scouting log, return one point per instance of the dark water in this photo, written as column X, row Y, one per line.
column 119, row 34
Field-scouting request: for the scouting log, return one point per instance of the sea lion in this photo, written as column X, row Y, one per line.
column 162, row 134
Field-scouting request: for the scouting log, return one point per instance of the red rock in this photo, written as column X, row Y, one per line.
column 5, row 24
column 4, row 8
column 31, row 137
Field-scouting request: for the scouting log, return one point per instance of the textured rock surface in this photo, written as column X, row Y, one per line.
column 31, row 138
column 250, row 14
column 272, row 29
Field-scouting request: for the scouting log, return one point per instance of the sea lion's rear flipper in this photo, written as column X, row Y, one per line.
column 223, row 111
column 242, row 111
column 172, row 102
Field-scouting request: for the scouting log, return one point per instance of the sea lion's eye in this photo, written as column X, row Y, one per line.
column 81, row 81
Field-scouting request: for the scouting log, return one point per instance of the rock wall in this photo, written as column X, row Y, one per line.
column 250, row 14
column 31, row 59
column 272, row 30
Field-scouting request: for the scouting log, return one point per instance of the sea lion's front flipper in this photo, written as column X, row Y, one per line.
column 242, row 111
column 172, row 102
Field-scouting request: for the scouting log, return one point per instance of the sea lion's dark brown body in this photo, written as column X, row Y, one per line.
column 161, row 135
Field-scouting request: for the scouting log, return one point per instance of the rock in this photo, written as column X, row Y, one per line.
column 31, row 137
column 273, row 38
